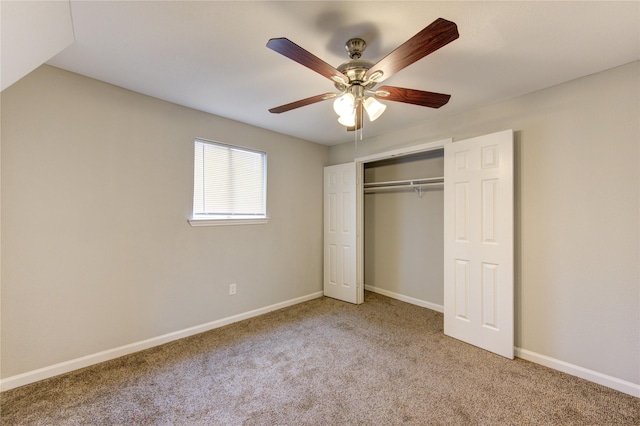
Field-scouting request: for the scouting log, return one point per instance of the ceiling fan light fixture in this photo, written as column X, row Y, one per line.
column 344, row 105
column 348, row 120
column 356, row 78
column 374, row 108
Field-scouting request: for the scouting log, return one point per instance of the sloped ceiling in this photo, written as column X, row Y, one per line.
column 211, row 56
column 31, row 33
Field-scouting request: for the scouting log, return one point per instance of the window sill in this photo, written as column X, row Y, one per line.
column 223, row 222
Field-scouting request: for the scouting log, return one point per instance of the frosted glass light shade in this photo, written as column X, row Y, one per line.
column 348, row 120
column 344, row 104
column 374, row 108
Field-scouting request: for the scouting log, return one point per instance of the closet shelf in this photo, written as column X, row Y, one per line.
column 416, row 184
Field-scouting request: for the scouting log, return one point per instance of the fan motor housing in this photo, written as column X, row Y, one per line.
column 355, row 70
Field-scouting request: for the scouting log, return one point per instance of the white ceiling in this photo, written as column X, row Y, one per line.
column 211, row 56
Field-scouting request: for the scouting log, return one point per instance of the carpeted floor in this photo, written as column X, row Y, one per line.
column 322, row 362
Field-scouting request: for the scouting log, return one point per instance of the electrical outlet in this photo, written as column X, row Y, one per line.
column 232, row 289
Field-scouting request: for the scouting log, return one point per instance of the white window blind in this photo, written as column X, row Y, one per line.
column 229, row 182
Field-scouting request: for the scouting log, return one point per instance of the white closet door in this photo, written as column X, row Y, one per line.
column 478, row 242
column 340, row 233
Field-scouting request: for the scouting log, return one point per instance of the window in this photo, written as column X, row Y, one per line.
column 229, row 184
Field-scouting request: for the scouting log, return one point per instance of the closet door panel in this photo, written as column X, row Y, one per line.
column 340, row 242
column 479, row 234
column 461, row 209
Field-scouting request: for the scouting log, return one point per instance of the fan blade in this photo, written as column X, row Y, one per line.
column 411, row 96
column 436, row 35
column 303, row 102
column 292, row 51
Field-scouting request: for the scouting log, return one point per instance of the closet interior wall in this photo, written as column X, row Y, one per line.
column 404, row 228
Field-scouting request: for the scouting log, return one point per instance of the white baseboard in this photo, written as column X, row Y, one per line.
column 85, row 361
column 408, row 299
column 584, row 373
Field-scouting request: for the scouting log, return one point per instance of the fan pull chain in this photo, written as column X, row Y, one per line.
column 355, row 134
column 355, row 131
column 361, row 122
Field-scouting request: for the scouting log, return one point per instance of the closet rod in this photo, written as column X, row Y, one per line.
column 412, row 186
column 404, row 183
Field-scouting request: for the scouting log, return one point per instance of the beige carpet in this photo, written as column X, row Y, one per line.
column 323, row 362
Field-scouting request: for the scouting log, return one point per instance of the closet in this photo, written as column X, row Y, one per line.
column 432, row 225
column 403, row 237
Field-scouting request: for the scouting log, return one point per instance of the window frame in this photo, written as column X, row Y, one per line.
column 211, row 219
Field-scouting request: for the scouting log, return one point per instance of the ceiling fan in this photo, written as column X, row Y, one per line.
column 356, row 78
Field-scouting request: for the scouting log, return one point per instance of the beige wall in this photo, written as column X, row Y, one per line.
column 577, row 214
column 97, row 253
column 96, row 189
